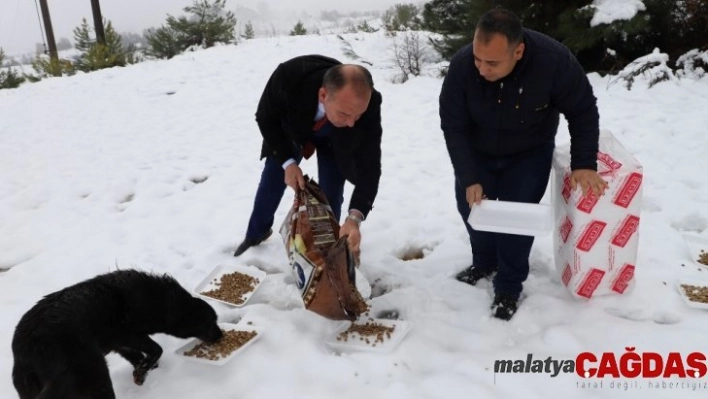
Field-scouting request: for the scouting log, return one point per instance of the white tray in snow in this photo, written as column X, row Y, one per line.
column 695, row 244
column 512, row 218
column 355, row 343
column 220, row 362
column 209, row 282
column 698, row 283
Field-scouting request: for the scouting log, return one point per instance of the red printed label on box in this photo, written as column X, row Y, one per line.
column 566, row 187
column 565, row 229
column 629, row 189
column 624, row 233
column 567, row 274
column 623, row 278
column 590, row 283
column 590, row 235
column 608, row 161
column 588, row 202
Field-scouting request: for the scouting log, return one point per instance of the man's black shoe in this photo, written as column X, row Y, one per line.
column 504, row 306
column 248, row 243
column 473, row 274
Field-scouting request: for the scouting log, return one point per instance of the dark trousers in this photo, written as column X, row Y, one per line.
column 272, row 187
column 520, row 178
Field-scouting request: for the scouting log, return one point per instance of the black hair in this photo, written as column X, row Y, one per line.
column 500, row 21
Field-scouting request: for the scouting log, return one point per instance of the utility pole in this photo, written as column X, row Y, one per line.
column 98, row 22
column 49, row 31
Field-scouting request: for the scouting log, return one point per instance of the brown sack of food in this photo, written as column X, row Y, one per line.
column 321, row 260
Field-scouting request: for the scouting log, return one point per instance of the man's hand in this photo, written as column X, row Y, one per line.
column 474, row 194
column 588, row 179
column 294, row 178
column 351, row 229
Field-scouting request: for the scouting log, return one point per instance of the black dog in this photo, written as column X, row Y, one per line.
column 60, row 344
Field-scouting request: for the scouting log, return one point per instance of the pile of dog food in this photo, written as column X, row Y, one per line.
column 703, row 258
column 231, row 341
column 370, row 332
column 232, row 287
column 695, row 293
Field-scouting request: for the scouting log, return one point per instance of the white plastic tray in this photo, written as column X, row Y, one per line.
column 227, row 327
column 689, row 302
column 354, row 343
column 695, row 244
column 512, row 218
column 208, row 283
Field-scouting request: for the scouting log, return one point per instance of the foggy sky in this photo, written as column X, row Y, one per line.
column 19, row 26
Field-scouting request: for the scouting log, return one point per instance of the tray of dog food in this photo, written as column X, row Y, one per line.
column 368, row 334
column 230, row 285
column 697, row 248
column 694, row 292
column 237, row 337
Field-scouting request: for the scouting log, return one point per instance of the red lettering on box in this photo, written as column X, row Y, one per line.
column 623, row 278
column 590, row 283
column 590, row 235
column 629, row 189
column 567, row 274
column 608, row 161
column 565, row 229
column 565, row 192
column 588, row 202
column 624, row 233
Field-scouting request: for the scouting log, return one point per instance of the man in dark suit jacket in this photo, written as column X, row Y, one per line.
column 313, row 103
column 499, row 110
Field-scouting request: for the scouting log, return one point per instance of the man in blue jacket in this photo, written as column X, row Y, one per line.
column 499, row 111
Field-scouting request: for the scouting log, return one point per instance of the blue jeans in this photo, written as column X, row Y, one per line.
column 520, row 178
column 272, row 187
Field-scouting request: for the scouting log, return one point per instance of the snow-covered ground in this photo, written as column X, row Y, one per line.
column 155, row 166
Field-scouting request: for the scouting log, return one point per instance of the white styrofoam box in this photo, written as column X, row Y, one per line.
column 512, row 218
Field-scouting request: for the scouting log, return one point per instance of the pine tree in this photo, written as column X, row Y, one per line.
column 45, row 67
column 248, row 32
column 82, row 36
column 401, row 17
column 365, row 27
column 94, row 55
column 298, row 29
column 208, row 24
column 455, row 20
column 163, row 42
column 9, row 79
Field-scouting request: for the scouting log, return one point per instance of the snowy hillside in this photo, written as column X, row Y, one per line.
column 155, row 166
